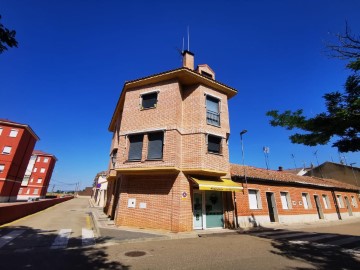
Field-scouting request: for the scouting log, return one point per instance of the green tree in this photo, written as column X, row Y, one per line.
column 342, row 117
column 7, row 38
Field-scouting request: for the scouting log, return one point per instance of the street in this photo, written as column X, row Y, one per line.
column 62, row 237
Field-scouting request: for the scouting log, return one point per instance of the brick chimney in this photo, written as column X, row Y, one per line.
column 188, row 59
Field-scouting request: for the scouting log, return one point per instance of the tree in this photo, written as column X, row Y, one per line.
column 7, row 38
column 342, row 119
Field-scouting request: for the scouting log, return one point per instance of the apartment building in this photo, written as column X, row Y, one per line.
column 17, row 141
column 169, row 160
column 277, row 196
column 37, row 176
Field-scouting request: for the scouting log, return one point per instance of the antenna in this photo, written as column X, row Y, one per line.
column 188, row 34
column 293, row 157
column 183, row 45
column 266, row 150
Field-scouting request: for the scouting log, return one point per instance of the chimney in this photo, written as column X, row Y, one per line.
column 188, row 59
column 280, row 169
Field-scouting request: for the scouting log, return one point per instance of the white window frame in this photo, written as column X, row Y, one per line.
column 36, row 191
column 38, row 159
column 306, row 200
column 326, row 201
column 42, row 170
column 2, row 167
column 340, row 200
column 285, row 200
column 1, row 130
column 354, row 202
column 35, row 169
column 39, row 181
column 13, row 133
column 28, row 191
column 254, row 199
column 46, row 160
column 31, row 180
column 7, row 150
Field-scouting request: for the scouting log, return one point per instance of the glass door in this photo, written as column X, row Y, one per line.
column 214, row 209
column 198, row 213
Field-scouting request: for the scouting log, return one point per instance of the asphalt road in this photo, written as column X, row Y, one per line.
column 54, row 239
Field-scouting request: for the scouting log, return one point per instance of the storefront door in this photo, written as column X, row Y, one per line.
column 208, row 210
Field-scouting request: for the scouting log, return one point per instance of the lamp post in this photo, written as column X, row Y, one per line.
column 242, row 153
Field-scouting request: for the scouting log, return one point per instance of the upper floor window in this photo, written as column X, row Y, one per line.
column 42, row 170
column 46, row 160
column 136, row 144
column 113, row 157
column 35, row 170
column 214, row 144
column 2, row 167
column 149, row 100
column 1, row 129
column 155, row 147
column 38, row 159
column 212, row 110
column 39, row 181
column 7, row 150
column 285, row 200
column 36, row 191
column 13, row 133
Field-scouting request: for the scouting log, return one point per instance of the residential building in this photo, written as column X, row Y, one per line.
column 37, row 176
column 99, row 189
column 169, row 160
column 340, row 172
column 279, row 196
column 17, row 141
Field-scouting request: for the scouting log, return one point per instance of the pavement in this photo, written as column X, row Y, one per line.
column 107, row 230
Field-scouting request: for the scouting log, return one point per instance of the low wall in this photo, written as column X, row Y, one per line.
column 13, row 211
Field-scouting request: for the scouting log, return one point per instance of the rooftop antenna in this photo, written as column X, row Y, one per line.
column 183, row 45
column 293, row 157
column 188, row 34
column 266, row 150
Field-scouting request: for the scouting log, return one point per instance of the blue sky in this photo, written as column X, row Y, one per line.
column 74, row 57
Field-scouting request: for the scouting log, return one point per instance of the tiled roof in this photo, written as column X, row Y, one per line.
column 41, row 153
column 281, row 176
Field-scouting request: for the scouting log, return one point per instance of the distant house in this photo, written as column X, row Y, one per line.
column 100, row 188
column 37, row 176
column 17, row 141
column 278, row 196
column 340, row 172
column 86, row 192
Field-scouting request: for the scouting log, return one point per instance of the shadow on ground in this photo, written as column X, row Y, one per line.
column 31, row 250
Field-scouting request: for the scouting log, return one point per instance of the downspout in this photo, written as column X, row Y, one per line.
column 236, row 214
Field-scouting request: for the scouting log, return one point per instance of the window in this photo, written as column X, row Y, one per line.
column 42, row 170
column 326, row 201
column 285, row 200
column 39, row 180
column 353, row 200
column 36, row 191
column 212, row 111
column 155, row 147
column 6, row 150
column 31, row 180
column 254, row 199
column 38, row 159
column 149, row 100
column 35, row 170
column 340, row 201
column 136, row 144
column 28, row 191
column 306, row 200
column 13, row 133
column 20, row 190
column 1, row 130
column 113, row 157
column 2, row 167
column 214, row 144
column 46, row 160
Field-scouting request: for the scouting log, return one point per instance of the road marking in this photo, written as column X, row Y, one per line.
column 88, row 238
column 62, row 239
column 9, row 237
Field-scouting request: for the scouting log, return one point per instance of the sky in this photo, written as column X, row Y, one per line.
column 73, row 58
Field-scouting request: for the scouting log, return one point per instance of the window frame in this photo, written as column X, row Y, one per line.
column 307, row 199
column 354, row 202
column 209, row 120
column 154, row 105
column 130, row 153
column 46, row 160
column 326, row 201
column 2, row 168
column 150, row 156
column 220, row 144
column 42, row 170
column 1, row 130
column 36, row 191
column 257, row 197
column 288, row 200
column 12, row 135
column 39, row 181
column 340, row 201
column 9, row 148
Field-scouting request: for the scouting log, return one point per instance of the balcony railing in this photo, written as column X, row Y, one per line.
column 213, row 118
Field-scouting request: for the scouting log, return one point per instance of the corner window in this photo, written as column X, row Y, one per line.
column 2, row 167
column 149, row 100
column 254, row 199
column 155, row 147
column 136, row 145
column 306, row 200
column 340, row 201
column 214, row 144
column 326, row 201
column 212, row 111
column 7, row 150
column 13, row 133
column 285, row 200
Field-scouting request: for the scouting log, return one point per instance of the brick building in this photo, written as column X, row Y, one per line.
column 37, row 176
column 278, row 196
column 17, row 141
column 169, row 152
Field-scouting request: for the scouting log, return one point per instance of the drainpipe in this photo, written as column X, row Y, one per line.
column 336, row 204
column 236, row 214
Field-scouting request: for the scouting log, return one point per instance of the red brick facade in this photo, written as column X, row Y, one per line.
column 17, row 142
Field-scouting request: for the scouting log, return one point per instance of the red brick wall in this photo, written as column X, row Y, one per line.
column 15, row 211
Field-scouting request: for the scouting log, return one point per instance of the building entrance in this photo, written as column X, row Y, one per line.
column 208, row 210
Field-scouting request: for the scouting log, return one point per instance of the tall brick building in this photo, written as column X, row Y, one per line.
column 17, row 141
column 169, row 158
column 37, row 176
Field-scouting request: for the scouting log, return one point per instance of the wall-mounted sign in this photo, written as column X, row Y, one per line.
column 131, row 203
column 184, row 194
column 142, row 205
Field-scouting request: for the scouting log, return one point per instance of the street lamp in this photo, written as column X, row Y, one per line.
column 242, row 153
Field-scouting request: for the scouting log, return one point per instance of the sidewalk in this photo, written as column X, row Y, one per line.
column 106, row 229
